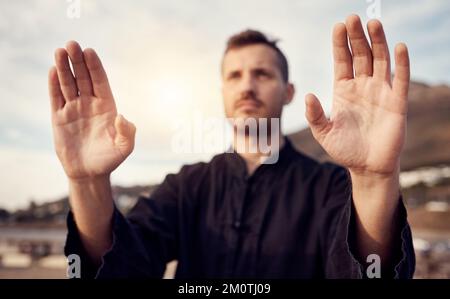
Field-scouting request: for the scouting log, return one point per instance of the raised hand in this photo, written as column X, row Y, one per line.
column 90, row 138
column 367, row 127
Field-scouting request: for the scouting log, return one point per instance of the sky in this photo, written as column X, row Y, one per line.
column 163, row 63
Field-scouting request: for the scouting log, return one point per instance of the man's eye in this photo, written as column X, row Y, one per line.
column 233, row 76
column 263, row 74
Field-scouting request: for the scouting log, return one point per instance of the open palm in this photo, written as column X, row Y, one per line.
column 90, row 138
column 367, row 126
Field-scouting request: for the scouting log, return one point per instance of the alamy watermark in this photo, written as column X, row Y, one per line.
column 373, row 11
column 214, row 134
column 73, row 266
column 374, row 269
column 74, row 9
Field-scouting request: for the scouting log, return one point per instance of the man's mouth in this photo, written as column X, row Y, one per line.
column 248, row 104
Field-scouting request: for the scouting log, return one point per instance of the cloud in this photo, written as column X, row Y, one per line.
column 29, row 174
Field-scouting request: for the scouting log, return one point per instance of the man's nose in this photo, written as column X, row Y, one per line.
column 247, row 84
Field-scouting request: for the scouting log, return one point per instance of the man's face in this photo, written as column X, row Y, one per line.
column 252, row 83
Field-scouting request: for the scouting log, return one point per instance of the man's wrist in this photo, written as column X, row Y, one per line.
column 95, row 190
column 376, row 195
column 372, row 181
column 89, row 180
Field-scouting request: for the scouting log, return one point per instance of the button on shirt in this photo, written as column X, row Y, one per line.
column 290, row 219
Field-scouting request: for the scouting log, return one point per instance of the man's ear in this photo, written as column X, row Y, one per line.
column 290, row 92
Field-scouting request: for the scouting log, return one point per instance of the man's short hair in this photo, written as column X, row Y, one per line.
column 253, row 37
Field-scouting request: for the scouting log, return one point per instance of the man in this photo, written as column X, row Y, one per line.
column 237, row 216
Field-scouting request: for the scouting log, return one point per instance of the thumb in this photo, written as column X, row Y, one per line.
column 316, row 117
column 126, row 132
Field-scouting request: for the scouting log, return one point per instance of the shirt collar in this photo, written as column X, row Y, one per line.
column 238, row 166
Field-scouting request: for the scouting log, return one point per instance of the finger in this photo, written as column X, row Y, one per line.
column 380, row 51
column 400, row 83
column 82, row 77
column 343, row 68
column 98, row 75
column 126, row 132
column 316, row 117
column 362, row 55
column 56, row 97
column 66, row 79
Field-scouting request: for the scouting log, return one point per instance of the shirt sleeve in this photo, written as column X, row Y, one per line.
column 338, row 234
column 142, row 243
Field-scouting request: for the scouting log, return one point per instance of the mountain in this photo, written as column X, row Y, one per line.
column 428, row 129
column 54, row 213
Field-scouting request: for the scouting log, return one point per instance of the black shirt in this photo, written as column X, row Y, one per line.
column 291, row 219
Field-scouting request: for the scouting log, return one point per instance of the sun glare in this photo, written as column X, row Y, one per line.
column 171, row 97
